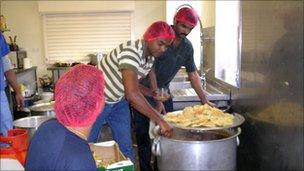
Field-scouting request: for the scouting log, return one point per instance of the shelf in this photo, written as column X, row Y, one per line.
column 24, row 70
column 58, row 68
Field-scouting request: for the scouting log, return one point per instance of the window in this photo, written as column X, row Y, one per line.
column 227, row 41
column 194, row 36
column 70, row 37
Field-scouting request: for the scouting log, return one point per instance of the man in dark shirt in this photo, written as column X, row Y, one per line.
column 61, row 143
column 179, row 54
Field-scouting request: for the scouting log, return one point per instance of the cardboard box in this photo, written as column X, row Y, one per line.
column 108, row 152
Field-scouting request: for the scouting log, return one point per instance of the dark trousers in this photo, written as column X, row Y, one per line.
column 141, row 123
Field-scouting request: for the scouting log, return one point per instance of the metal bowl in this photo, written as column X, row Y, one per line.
column 237, row 121
column 46, row 109
column 31, row 123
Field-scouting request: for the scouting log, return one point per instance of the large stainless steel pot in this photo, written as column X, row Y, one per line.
column 197, row 150
column 45, row 109
column 31, row 123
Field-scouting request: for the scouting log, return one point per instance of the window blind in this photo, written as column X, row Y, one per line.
column 70, row 37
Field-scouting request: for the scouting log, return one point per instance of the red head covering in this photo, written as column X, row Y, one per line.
column 159, row 30
column 186, row 15
column 79, row 96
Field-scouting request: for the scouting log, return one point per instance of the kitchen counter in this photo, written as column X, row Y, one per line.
column 17, row 71
column 189, row 94
column 184, row 95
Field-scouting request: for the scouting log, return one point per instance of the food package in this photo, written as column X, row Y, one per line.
column 108, row 157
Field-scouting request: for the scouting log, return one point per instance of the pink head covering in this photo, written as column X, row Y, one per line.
column 79, row 96
column 186, row 15
column 159, row 30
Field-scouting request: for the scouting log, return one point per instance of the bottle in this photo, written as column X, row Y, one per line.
column 22, row 89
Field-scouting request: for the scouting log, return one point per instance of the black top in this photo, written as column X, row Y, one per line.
column 167, row 65
column 53, row 147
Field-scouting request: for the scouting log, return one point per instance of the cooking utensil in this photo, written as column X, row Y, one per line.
column 199, row 151
column 46, row 109
column 31, row 123
column 11, row 39
column 45, row 81
column 13, row 45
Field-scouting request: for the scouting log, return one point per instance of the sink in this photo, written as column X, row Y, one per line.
column 186, row 84
column 184, row 95
column 182, row 91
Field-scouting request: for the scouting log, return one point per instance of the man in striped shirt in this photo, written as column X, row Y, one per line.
column 178, row 54
column 123, row 67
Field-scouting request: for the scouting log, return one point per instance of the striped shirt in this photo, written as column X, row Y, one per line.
column 129, row 55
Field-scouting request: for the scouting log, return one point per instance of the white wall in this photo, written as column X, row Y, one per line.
column 24, row 19
column 147, row 12
column 208, row 13
column 84, row 6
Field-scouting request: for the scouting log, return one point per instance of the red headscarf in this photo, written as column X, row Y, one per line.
column 158, row 30
column 79, row 96
column 186, row 15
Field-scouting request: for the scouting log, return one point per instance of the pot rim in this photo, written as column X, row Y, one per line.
column 27, row 118
column 237, row 121
column 239, row 131
column 33, row 108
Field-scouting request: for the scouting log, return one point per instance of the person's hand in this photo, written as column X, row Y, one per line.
column 154, row 94
column 19, row 100
column 165, row 129
column 211, row 104
column 161, row 94
column 160, row 107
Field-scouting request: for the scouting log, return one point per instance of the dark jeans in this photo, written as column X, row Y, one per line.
column 118, row 117
column 141, row 123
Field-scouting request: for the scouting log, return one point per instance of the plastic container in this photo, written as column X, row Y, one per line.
column 11, row 164
column 22, row 89
column 16, row 145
